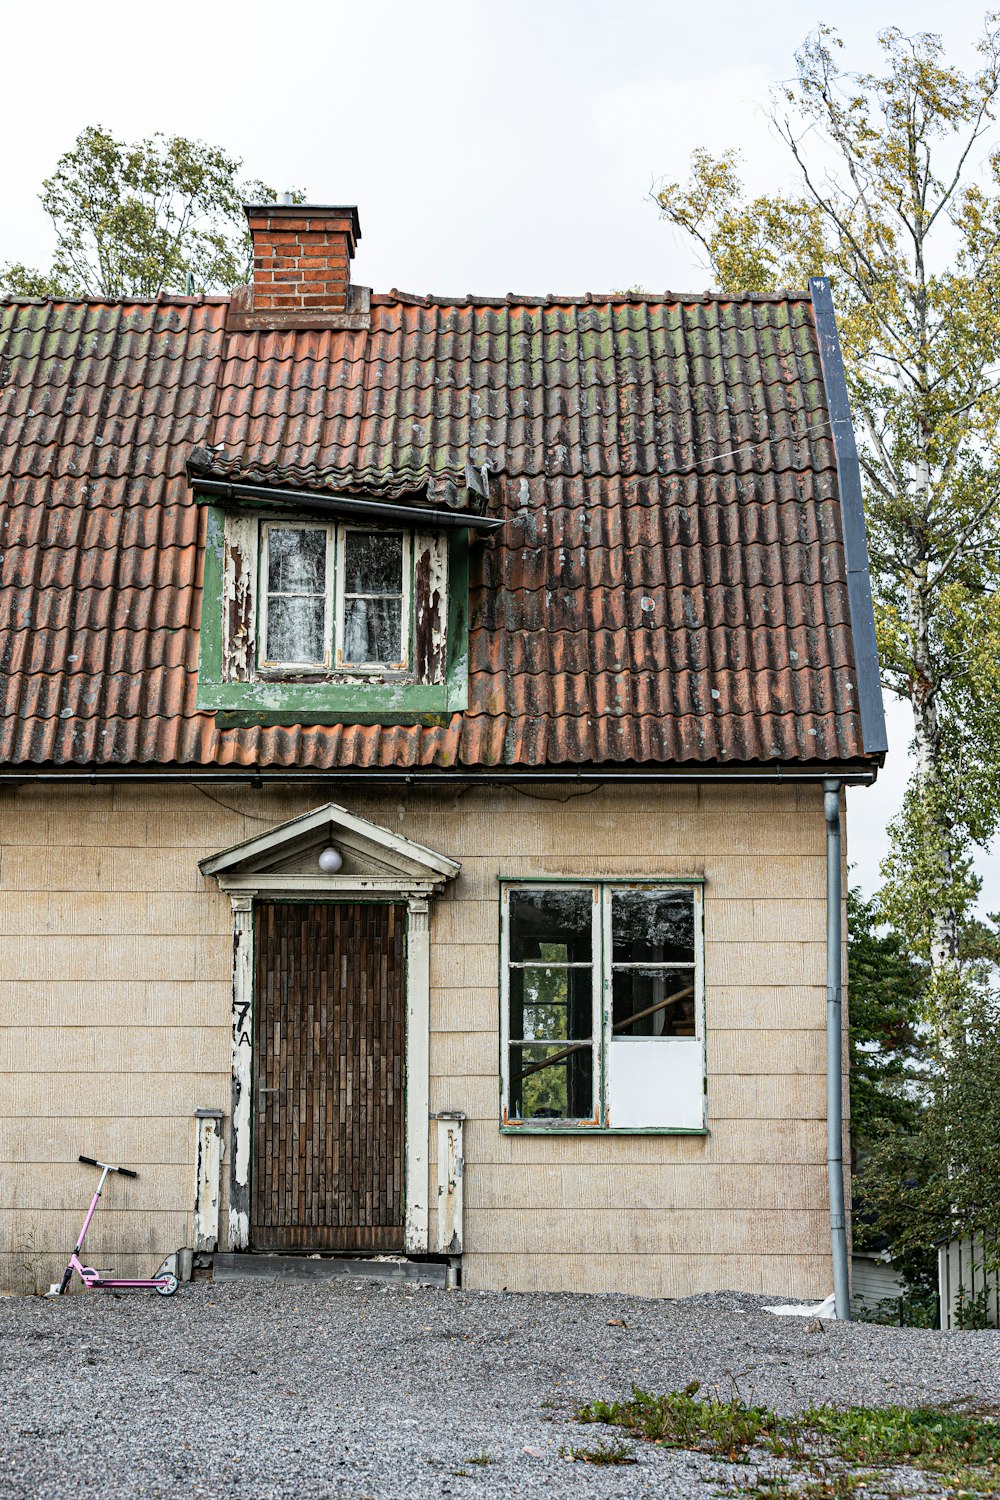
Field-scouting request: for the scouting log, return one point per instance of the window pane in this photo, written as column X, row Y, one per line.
column 296, row 560
column 545, row 1084
column 295, row 629
column 652, row 926
column 372, row 630
column 549, row 1005
column 554, row 926
column 373, row 563
column 662, row 1002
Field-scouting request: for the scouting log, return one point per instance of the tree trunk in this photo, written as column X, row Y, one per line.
column 927, row 751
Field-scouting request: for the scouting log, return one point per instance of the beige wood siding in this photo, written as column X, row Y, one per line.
column 115, row 994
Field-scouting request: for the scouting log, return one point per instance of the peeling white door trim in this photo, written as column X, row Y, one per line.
column 241, row 1117
column 418, row 1084
column 208, row 1179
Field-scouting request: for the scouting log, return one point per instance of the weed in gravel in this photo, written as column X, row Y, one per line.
column 726, row 1429
column 615, row 1452
column 825, row 1484
column 922, row 1437
column 480, row 1458
column 825, row 1453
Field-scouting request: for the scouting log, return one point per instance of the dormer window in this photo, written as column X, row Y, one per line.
column 309, row 618
column 333, row 598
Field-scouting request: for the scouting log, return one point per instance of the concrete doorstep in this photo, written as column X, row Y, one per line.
column 228, row 1266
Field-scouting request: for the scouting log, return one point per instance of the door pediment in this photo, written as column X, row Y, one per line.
column 286, row 858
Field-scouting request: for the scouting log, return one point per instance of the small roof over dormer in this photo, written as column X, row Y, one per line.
column 285, row 859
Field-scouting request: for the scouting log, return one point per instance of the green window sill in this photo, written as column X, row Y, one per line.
column 602, row 1131
column 337, row 701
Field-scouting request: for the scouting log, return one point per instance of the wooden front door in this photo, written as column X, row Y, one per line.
column 329, row 1035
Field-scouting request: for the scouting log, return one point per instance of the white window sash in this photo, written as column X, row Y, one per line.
column 595, row 966
column 655, row 1082
column 342, row 595
column 264, row 596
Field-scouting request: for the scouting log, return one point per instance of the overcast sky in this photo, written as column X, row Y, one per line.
column 490, row 147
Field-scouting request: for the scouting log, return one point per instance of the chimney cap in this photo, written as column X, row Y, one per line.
column 306, row 211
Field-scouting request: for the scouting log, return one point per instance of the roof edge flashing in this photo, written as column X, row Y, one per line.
column 859, row 586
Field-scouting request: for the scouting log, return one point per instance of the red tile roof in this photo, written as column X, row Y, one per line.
column 670, row 584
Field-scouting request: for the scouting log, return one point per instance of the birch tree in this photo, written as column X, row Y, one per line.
column 896, row 198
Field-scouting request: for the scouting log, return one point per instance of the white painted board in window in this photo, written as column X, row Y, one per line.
column 656, row 1081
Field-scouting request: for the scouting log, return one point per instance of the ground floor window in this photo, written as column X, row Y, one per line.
column 602, row 1021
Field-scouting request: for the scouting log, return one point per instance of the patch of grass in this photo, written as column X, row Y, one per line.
column 825, row 1453
column 615, row 1452
column 924, row 1437
column 825, row 1484
column 725, row 1429
column 480, row 1458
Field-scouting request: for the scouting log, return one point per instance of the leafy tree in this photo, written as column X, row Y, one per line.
column 893, row 203
column 132, row 220
column 885, row 1045
column 939, row 1180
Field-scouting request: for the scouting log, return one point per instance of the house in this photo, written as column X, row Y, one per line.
column 425, row 724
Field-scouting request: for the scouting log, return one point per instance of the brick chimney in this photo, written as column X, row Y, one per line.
column 301, row 268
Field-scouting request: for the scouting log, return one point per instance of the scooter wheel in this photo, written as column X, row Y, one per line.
column 168, row 1285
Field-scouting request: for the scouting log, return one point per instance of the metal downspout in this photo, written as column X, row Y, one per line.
column 834, row 1050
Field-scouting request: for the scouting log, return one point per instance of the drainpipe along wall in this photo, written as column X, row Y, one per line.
column 834, row 1049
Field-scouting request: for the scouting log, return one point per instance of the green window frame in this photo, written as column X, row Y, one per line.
column 573, row 955
column 241, row 694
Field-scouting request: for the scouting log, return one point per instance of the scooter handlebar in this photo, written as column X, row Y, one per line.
column 90, row 1162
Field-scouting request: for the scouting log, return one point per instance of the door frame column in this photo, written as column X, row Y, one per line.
column 241, row 1118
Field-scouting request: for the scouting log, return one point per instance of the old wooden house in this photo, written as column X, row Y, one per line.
column 424, row 731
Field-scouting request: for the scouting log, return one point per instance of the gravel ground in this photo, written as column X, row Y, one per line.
column 352, row 1390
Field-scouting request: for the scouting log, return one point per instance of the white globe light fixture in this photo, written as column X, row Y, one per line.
column 330, row 860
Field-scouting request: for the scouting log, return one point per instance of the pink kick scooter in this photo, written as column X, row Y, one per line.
column 165, row 1284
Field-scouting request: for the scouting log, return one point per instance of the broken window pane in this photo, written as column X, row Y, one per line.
column 551, row 1083
column 373, row 630
column 652, row 926
column 553, row 925
column 548, row 1005
column 295, row 629
column 373, row 563
column 296, row 560
column 653, row 1002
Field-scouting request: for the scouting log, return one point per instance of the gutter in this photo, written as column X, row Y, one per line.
column 584, row 776
column 859, row 583
column 834, row 1049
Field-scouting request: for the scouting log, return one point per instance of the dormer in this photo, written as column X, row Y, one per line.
column 331, row 608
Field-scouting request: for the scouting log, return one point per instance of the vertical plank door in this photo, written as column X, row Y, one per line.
column 329, row 1034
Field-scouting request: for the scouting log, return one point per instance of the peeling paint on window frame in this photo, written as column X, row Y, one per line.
column 228, row 679
column 602, row 886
